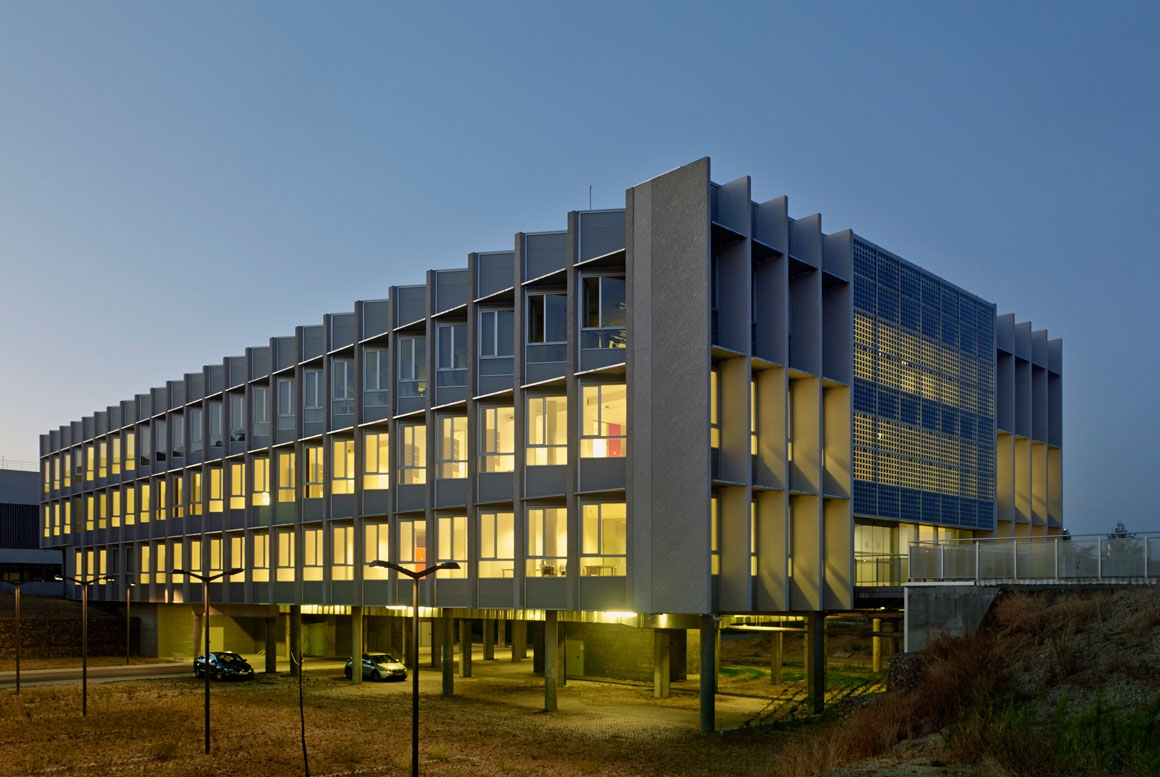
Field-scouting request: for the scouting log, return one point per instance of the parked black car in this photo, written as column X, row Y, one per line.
column 379, row 666
column 223, row 665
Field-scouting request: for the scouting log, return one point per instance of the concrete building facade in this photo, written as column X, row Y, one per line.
column 691, row 410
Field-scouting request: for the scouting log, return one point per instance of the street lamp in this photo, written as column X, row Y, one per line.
column 206, row 580
column 84, row 583
column 18, row 640
column 415, row 577
column 128, row 620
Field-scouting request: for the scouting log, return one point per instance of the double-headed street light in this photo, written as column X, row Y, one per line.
column 128, row 620
column 206, row 580
column 415, row 578
column 84, row 583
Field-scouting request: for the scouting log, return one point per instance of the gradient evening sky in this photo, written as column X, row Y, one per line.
column 181, row 180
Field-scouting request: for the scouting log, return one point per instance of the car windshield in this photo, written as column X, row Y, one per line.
column 381, row 658
column 231, row 658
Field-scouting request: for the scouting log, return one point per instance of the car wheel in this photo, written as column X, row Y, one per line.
column 347, row 672
column 376, row 676
column 197, row 672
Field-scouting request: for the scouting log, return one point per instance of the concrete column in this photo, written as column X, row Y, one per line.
column 876, row 641
column 294, row 644
column 436, row 643
column 356, row 644
column 447, row 646
column 551, row 660
column 196, row 634
column 708, row 674
column 716, row 660
column 501, row 632
column 488, row 639
column 519, row 640
column 776, row 658
column 661, row 665
column 562, row 652
column 271, row 645
column 465, row 648
column 815, row 660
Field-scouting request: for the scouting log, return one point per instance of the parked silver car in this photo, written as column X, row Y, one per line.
column 379, row 666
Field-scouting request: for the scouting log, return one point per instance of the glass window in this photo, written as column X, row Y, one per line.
column 497, row 439
column 285, row 399
column 90, row 462
column 195, row 492
column 313, row 396
column 237, row 485
column 714, row 533
column 146, row 505
column 714, row 411
column 260, row 408
column 130, row 507
column 342, row 387
column 452, row 447
column 216, row 490
column 547, row 327
column 260, row 556
column 342, row 481
column 102, row 461
column 451, row 356
column 237, row 545
column 195, row 438
column 547, row 430
column 602, row 313
column 160, row 432
column 314, row 481
column 114, row 461
column 413, row 544
column 453, row 544
column 752, row 418
column 603, row 546
column 497, row 544
column 413, row 454
column 237, row 417
column 260, row 468
column 376, row 461
column 177, row 434
column 312, row 553
column 377, row 547
column 547, row 541
column 376, row 383
column 342, row 552
column 496, row 333
column 285, row 555
column 604, row 413
column 177, row 496
column 215, row 424
column 287, row 484
column 412, row 366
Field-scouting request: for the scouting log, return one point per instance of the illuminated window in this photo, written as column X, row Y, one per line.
column 714, row 533
column 753, row 418
column 714, row 410
column 497, row 544
column 146, row 504
column 547, row 541
column 753, row 539
column 547, row 430
column 215, row 554
column 68, row 511
column 453, row 544
column 161, row 566
column 216, row 490
column 115, row 508
column 144, row 566
column 497, row 439
column 603, row 539
column 260, row 556
column 313, row 482
column 413, row 543
column 102, row 507
column 452, row 447
column 412, row 377
column 130, row 505
column 260, row 475
column 312, row 558
column 342, row 465
column 285, row 567
column 176, row 497
column 195, row 491
column 237, row 546
column 377, row 546
column 342, row 387
column 56, row 472
column 602, row 312
column 376, row 461
column 287, row 485
column 237, row 485
column 161, row 499
column 412, row 454
column 603, row 421
column 376, row 384
column 342, row 545
column 102, row 459
column 67, row 469
column 90, row 462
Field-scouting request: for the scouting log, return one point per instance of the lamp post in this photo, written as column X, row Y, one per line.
column 18, row 640
column 84, row 583
column 206, row 580
column 415, row 578
column 128, row 620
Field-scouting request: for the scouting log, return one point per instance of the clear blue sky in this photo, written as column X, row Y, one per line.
column 181, row 180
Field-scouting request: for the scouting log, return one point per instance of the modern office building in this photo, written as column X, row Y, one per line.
column 689, row 412
column 22, row 562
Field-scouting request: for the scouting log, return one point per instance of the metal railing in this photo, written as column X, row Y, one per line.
column 874, row 570
column 25, row 466
column 1083, row 557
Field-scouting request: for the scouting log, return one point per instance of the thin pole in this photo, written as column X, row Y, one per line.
column 205, row 608
column 128, row 620
column 18, row 640
column 84, row 650
column 415, row 677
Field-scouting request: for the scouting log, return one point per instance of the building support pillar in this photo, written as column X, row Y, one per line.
column 436, row 643
column 551, row 660
column 501, row 632
column 662, row 668
column 708, row 674
column 488, row 639
column 465, row 648
column 447, row 645
column 815, row 660
column 294, row 644
column 271, row 645
column 519, row 640
column 776, row 658
column 356, row 644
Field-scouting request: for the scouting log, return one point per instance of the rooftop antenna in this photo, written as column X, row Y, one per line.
column 589, row 196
